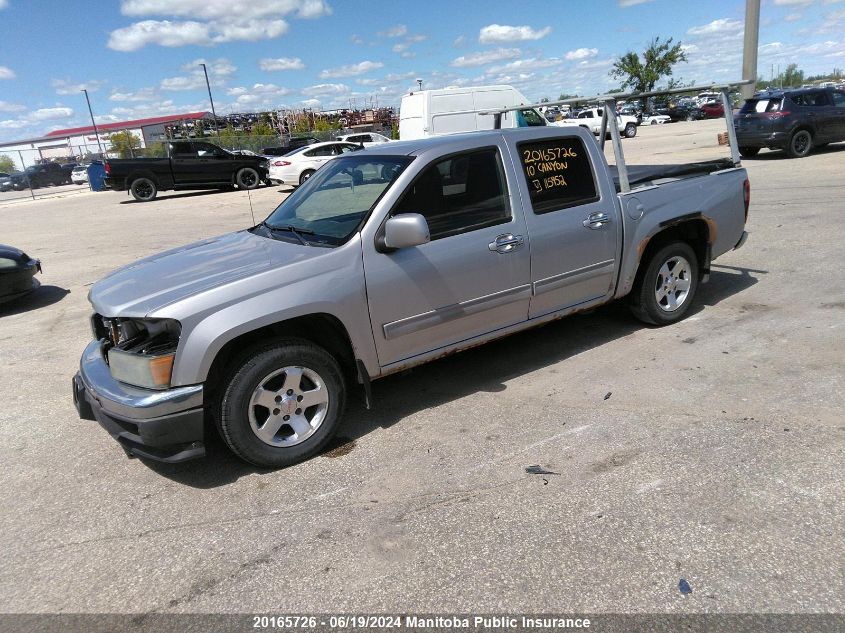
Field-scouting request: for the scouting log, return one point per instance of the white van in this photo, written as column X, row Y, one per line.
column 452, row 110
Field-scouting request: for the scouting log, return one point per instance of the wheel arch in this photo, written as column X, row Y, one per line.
column 142, row 173
column 695, row 229
column 320, row 328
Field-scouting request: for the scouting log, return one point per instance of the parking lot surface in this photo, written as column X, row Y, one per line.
column 710, row 450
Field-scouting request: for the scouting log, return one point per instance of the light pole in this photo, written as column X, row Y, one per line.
column 213, row 113
column 419, row 81
column 749, row 50
column 91, row 112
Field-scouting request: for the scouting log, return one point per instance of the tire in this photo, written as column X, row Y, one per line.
column 690, row 118
column 281, row 376
column 653, row 123
column 650, row 302
column 305, row 176
column 748, row 152
column 247, row 178
column 800, row 144
column 630, row 130
column 143, row 189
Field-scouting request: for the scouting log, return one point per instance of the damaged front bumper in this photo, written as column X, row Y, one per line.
column 165, row 425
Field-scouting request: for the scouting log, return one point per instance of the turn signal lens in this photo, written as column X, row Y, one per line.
column 152, row 372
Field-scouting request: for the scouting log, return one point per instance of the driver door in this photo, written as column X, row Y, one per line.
column 471, row 279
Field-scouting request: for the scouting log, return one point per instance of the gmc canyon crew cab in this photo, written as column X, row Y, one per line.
column 385, row 259
column 188, row 165
column 591, row 119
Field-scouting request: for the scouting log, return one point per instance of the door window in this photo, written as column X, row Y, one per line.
column 205, row 150
column 325, row 150
column 462, row 193
column 558, row 173
column 839, row 99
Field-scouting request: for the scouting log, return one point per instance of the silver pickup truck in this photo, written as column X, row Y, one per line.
column 386, row 259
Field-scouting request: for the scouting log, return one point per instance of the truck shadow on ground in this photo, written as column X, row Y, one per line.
column 485, row 368
column 40, row 298
column 176, row 196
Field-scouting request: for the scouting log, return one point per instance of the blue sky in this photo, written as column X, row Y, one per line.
column 140, row 57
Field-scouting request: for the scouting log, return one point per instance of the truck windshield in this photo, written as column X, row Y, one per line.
column 333, row 203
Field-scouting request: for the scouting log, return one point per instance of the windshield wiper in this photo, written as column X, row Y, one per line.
column 298, row 233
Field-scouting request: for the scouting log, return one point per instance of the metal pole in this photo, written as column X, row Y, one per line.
column 213, row 113
column 29, row 184
column 96, row 133
column 729, row 119
column 749, row 51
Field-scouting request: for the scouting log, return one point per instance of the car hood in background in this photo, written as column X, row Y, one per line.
column 160, row 280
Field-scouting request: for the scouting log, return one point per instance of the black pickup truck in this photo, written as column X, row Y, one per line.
column 188, row 165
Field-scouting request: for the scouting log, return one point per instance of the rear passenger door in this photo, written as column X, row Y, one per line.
column 471, row 279
column 838, row 114
column 572, row 222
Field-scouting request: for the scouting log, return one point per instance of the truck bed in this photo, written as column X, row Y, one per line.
column 648, row 174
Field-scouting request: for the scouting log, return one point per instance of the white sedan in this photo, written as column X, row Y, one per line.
column 295, row 167
column 656, row 119
column 365, row 139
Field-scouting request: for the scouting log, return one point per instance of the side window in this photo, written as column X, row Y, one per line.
column 558, row 173
column 183, row 150
column 326, row 150
column 462, row 193
column 204, row 150
column 839, row 99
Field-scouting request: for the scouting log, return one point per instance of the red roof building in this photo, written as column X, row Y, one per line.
column 128, row 125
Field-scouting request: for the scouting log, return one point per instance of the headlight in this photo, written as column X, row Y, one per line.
column 141, row 370
column 142, row 351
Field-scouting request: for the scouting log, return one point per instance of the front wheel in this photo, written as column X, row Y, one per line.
column 664, row 292
column 143, row 189
column 282, row 403
column 800, row 144
column 247, row 178
column 630, row 130
column 305, row 176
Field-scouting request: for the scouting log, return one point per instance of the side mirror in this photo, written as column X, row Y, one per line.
column 406, row 230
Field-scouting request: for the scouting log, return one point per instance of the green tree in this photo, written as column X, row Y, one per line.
column 125, row 143
column 229, row 138
column 7, row 165
column 262, row 128
column 641, row 73
column 791, row 77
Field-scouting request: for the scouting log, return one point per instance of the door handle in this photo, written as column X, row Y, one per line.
column 506, row 243
column 596, row 220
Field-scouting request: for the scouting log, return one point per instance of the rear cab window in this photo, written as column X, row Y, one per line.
column 765, row 104
column 558, row 172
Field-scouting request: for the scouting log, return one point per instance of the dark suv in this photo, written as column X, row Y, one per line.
column 39, row 176
column 793, row 120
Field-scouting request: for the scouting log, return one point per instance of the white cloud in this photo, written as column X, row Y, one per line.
column 350, row 70
column 485, row 57
column 531, row 63
column 144, row 94
column 211, row 21
column 792, row 3
column 502, row 33
column 630, row 3
column 4, row 4
column 581, row 53
column 5, row 106
column 717, row 27
column 281, row 63
column 320, row 90
column 6, row 73
column 218, row 71
column 792, row 17
column 459, row 41
column 68, row 87
column 394, row 31
column 259, row 95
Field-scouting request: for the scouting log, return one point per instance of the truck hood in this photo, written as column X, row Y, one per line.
column 154, row 282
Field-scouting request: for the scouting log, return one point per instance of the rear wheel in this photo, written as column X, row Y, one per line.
column 749, row 151
column 282, row 403
column 800, row 144
column 664, row 292
column 630, row 130
column 247, row 178
column 305, row 176
column 143, row 189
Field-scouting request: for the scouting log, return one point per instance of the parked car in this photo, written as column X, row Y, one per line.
column 634, row 111
column 712, row 110
column 685, row 112
column 17, row 273
column 67, row 170
column 36, row 176
column 656, row 119
column 79, row 175
column 295, row 167
column 793, row 120
column 590, row 118
column 295, row 142
column 450, row 242
column 188, row 165
column 5, row 181
column 366, row 139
